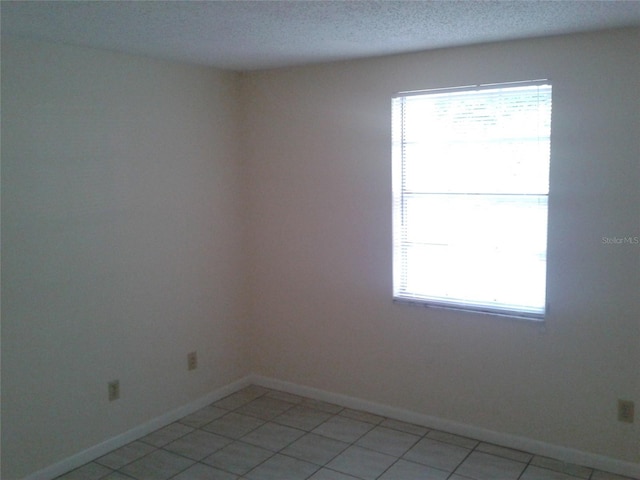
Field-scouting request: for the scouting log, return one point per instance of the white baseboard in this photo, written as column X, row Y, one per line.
column 568, row 455
column 135, row 433
column 564, row 454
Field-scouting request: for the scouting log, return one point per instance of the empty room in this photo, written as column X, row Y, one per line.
column 325, row 240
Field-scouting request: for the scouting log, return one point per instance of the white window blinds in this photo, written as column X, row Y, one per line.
column 470, row 187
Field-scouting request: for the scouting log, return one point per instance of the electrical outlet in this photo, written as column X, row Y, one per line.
column 625, row 411
column 192, row 361
column 114, row 390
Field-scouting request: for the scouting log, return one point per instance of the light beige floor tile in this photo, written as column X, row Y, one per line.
column 238, row 458
column 167, row 434
column 265, row 407
column 233, row 425
column 204, row 472
column 386, row 440
column 362, row 462
column 198, row 445
column 241, row 397
column 404, row 470
column 280, row 467
column 159, row 465
column 116, row 476
column 440, row 455
column 482, row 466
column 343, row 428
column 304, row 418
column 125, row 455
column 327, row 474
column 273, row 436
column 315, row 449
column 203, row 416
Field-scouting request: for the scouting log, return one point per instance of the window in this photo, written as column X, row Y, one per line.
column 470, row 188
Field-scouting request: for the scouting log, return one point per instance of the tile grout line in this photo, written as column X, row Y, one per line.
column 263, row 392
column 308, row 432
column 279, row 452
column 266, row 422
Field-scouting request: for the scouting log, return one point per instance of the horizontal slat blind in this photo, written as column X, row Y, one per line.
column 471, row 181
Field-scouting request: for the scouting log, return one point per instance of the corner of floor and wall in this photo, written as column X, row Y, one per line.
column 153, row 209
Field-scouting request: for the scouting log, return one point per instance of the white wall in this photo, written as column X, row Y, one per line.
column 127, row 200
column 121, row 244
column 318, row 171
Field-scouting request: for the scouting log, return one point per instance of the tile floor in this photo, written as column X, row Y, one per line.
column 262, row 434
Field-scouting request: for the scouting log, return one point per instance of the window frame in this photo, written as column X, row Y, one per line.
column 399, row 224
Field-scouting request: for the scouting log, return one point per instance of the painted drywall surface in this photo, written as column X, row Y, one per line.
column 318, row 164
column 121, row 244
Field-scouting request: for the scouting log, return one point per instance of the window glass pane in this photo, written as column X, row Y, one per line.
column 501, row 167
column 498, row 221
column 476, row 276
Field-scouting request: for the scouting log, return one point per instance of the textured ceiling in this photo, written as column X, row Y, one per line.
column 249, row 35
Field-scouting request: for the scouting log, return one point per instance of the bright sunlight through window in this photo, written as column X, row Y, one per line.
column 470, row 189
